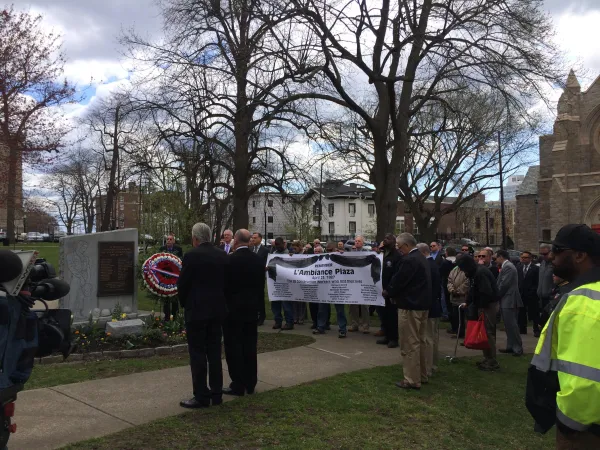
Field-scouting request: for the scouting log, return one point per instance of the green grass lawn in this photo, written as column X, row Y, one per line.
column 461, row 408
column 65, row 373
column 46, row 250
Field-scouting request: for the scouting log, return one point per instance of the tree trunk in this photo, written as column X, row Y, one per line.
column 243, row 117
column 13, row 158
column 386, row 190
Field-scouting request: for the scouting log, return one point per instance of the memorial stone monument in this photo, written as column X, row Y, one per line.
column 101, row 270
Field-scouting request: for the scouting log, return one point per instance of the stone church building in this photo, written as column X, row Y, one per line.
column 565, row 187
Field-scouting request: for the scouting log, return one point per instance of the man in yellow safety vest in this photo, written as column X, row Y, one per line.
column 563, row 384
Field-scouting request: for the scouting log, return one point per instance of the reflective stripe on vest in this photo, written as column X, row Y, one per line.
column 550, row 354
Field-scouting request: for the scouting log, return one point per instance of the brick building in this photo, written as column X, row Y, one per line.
column 566, row 187
column 126, row 209
column 4, row 189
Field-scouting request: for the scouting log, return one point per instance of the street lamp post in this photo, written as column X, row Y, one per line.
column 487, row 226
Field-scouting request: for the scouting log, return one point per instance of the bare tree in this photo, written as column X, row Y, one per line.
column 235, row 65
column 453, row 155
column 31, row 65
column 116, row 123
column 65, row 199
column 402, row 57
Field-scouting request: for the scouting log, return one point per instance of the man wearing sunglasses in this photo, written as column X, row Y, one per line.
column 563, row 383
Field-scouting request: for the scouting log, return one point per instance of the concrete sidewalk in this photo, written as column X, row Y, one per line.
column 52, row 417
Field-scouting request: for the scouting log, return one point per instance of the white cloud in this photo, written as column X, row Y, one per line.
column 578, row 34
column 84, row 72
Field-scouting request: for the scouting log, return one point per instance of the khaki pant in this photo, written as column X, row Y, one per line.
column 413, row 329
column 359, row 322
column 432, row 342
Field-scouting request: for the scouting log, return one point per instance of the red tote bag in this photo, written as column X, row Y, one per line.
column 475, row 336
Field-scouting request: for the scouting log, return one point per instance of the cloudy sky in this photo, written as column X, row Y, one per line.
column 91, row 29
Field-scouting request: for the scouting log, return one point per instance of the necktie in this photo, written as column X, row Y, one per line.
column 226, row 248
column 255, row 249
column 525, row 270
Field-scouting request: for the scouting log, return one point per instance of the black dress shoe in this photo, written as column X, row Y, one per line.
column 382, row 341
column 506, row 350
column 192, row 403
column 217, row 401
column 393, row 344
column 229, row 391
column 277, row 326
column 250, row 391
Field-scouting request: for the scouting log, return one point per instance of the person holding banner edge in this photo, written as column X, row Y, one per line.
column 389, row 316
column 276, row 306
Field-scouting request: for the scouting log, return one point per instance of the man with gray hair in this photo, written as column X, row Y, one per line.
column 201, row 289
column 410, row 290
column 545, row 281
column 227, row 245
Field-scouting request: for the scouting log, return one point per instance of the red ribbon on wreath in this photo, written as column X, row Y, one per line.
column 160, row 273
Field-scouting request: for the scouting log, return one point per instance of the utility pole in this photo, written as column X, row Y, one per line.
column 503, row 218
column 321, row 202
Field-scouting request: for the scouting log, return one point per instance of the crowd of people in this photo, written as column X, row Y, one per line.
column 222, row 292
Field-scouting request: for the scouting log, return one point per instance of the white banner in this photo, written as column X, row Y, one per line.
column 350, row 278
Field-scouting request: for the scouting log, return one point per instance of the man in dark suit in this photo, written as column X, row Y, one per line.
column 276, row 306
column 245, row 294
column 389, row 317
column 410, row 289
column 171, row 247
column 510, row 302
column 227, row 245
column 263, row 254
column 201, row 287
column 528, row 283
column 435, row 251
column 435, row 312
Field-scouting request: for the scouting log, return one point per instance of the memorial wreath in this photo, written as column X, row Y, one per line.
column 160, row 273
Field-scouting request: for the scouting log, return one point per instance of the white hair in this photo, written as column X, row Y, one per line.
column 201, row 232
column 423, row 248
column 406, row 238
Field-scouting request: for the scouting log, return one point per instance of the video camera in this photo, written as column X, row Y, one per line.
column 54, row 324
column 26, row 331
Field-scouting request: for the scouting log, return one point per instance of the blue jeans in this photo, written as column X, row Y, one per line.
column 444, row 305
column 324, row 311
column 288, row 312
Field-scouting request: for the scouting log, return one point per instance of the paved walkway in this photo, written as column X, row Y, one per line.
column 52, row 417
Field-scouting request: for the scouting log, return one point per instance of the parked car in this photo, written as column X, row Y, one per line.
column 2, row 235
column 57, row 235
column 348, row 245
column 46, row 237
column 34, row 236
column 147, row 238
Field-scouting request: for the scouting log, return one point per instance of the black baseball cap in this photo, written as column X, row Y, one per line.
column 578, row 237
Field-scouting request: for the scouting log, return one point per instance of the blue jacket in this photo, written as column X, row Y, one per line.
column 18, row 342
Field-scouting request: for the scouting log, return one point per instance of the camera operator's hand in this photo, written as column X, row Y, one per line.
column 25, row 299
